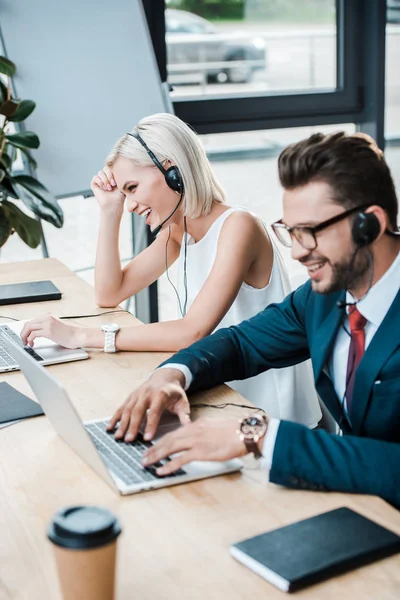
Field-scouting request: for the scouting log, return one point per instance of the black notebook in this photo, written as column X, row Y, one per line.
column 15, row 406
column 29, row 291
column 315, row 549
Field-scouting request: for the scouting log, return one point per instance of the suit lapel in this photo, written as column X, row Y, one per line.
column 321, row 350
column 384, row 342
column 325, row 337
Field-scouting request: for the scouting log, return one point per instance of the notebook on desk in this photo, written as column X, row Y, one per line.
column 29, row 291
column 315, row 549
column 44, row 351
column 118, row 463
column 15, row 406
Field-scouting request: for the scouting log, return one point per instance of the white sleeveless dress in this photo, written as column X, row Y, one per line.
column 287, row 393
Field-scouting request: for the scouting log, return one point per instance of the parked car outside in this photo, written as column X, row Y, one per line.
column 196, row 48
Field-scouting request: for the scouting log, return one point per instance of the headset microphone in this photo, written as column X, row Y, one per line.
column 157, row 230
column 342, row 304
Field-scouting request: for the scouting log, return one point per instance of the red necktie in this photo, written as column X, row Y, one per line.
column 356, row 350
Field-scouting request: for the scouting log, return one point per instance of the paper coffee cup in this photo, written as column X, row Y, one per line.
column 85, row 546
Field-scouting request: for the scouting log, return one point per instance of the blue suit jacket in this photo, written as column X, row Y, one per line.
column 367, row 458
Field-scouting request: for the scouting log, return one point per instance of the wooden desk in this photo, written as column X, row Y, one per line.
column 175, row 542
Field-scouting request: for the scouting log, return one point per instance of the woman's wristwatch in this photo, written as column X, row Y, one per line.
column 110, row 331
column 251, row 429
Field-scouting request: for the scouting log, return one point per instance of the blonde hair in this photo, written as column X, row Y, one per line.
column 173, row 140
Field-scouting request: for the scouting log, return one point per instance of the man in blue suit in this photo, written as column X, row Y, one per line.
column 340, row 218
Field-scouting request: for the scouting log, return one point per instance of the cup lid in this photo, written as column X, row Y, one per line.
column 82, row 527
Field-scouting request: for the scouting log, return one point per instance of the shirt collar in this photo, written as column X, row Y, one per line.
column 378, row 300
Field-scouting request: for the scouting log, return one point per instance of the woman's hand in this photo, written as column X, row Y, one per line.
column 54, row 329
column 105, row 190
column 163, row 391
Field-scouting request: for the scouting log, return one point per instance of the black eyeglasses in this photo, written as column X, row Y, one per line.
column 306, row 236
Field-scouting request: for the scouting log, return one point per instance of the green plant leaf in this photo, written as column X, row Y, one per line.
column 9, row 108
column 12, row 152
column 8, row 188
column 3, row 91
column 5, row 160
column 38, row 199
column 23, row 139
column 7, row 67
column 28, row 229
column 5, row 226
column 25, row 108
column 30, row 158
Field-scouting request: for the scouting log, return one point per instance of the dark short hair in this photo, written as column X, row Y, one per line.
column 352, row 165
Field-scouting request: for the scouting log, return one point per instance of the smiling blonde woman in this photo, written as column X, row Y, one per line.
column 228, row 267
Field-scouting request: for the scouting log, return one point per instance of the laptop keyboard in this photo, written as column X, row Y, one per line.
column 6, row 360
column 123, row 459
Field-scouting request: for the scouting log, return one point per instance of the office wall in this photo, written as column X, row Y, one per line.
column 90, row 67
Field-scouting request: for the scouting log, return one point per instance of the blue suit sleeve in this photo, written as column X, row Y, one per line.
column 272, row 339
column 317, row 460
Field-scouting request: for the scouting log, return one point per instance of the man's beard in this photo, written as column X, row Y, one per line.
column 349, row 273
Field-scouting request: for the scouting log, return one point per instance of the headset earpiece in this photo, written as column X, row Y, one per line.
column 173, row 179
column 365, row 229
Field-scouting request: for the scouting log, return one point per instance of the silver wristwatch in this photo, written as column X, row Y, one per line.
column 110, row 331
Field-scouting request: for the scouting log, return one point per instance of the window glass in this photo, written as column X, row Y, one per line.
column 176, row 24
column 392, row 116
column 392, row 91
column 250, row 46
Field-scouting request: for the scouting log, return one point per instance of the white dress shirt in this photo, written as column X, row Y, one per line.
column 374, row 307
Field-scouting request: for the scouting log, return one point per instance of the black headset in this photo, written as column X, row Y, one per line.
column 365, row 229
column 172, row 176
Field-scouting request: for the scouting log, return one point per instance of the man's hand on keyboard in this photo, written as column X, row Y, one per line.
column 54, row 329
column 205, row 439
column 163, row 391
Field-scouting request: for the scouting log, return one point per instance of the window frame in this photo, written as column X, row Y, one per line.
column 287, row 109
column 359, row 66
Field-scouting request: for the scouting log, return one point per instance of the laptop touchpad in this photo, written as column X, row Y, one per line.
column 52, row 351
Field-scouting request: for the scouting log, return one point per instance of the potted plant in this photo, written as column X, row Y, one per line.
column 14, row 187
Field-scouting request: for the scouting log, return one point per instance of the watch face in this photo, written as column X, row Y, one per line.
column 111, row 327
column 252, row 426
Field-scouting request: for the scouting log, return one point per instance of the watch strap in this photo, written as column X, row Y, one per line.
column 252, row 447
column 109, row 341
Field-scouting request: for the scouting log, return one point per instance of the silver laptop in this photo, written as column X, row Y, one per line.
column 44, row 351
column 118, row 463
